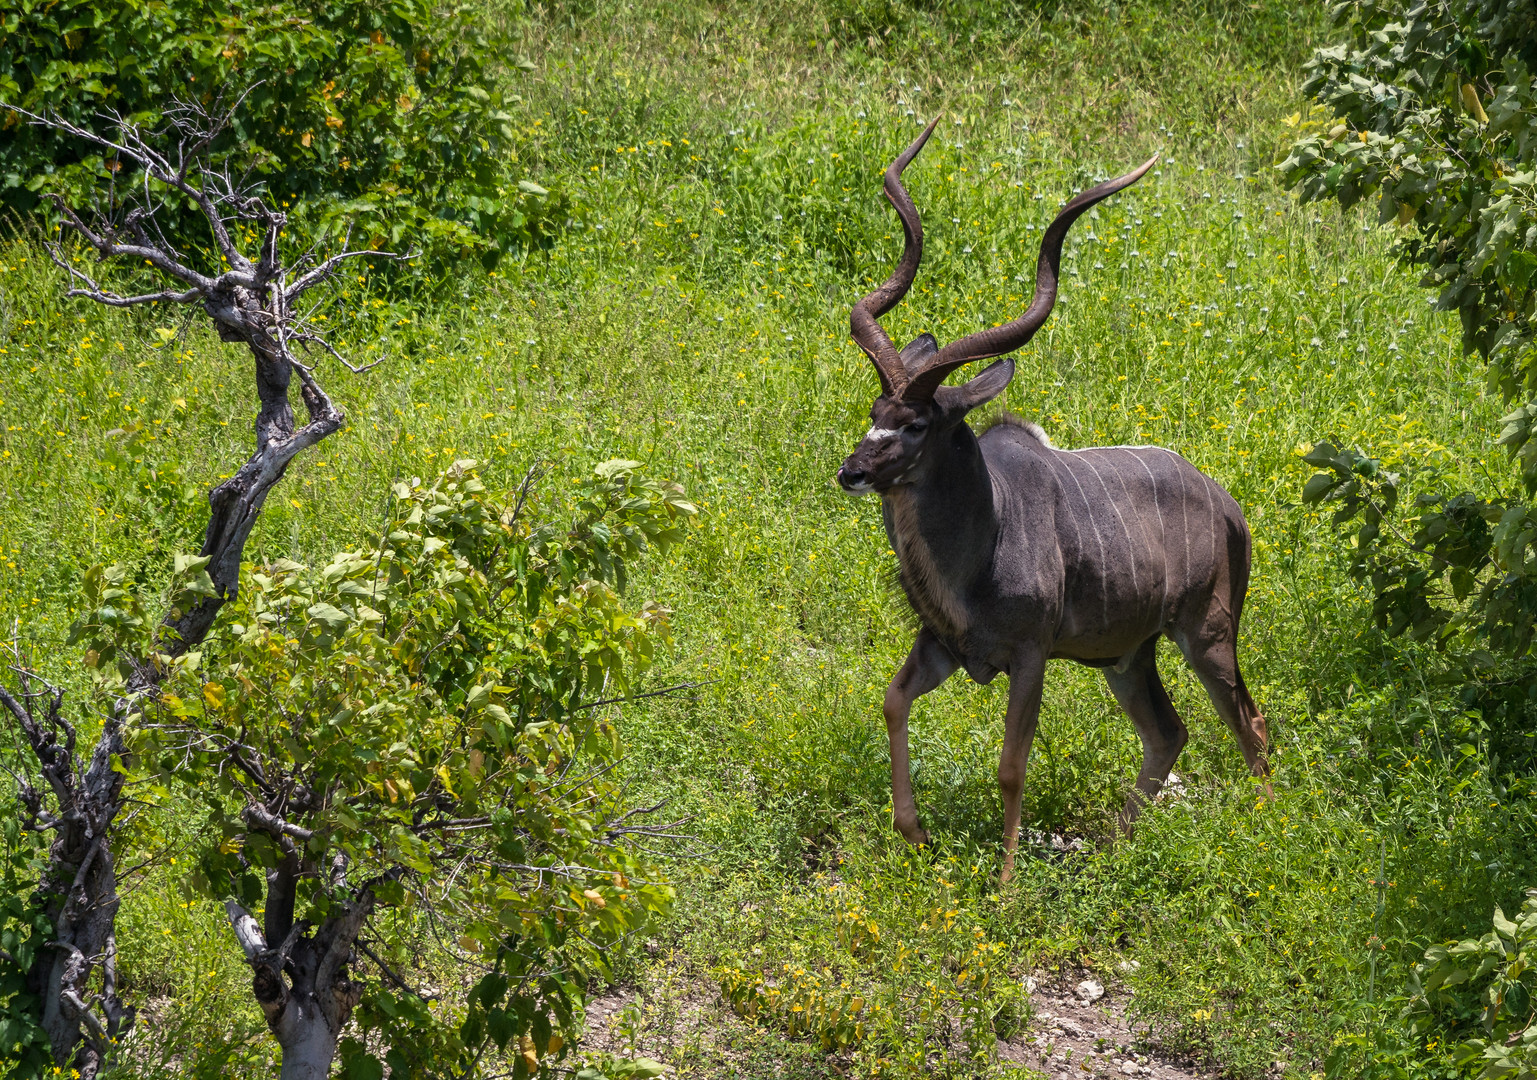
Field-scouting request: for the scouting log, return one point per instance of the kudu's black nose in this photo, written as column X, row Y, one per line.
column 851, row 477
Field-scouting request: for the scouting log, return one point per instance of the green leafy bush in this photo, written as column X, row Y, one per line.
column 1470, row 1011
column 1484, row 988
column 24, row 1049
column 435, row 696
column 1429, row 107
column 392, row 117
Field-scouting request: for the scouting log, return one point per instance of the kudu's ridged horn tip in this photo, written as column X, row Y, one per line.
column 863, row 325
column 986, row 344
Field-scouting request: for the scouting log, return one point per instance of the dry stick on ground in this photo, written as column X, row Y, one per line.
column 253, row 300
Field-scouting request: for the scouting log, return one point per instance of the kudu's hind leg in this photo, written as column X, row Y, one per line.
column 928, row 664
column 1215, row 660
column 1212, row 649
column 1141, row 694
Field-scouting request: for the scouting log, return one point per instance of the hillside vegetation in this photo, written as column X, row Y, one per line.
column 723, row 162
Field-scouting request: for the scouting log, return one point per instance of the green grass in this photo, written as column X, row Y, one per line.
column 727, row 161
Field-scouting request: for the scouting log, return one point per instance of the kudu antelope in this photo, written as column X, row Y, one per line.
column 1014, row 552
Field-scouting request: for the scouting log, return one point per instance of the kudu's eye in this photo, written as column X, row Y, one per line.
column 916, row 427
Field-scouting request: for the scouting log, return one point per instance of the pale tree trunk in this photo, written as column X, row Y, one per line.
column 302, row 984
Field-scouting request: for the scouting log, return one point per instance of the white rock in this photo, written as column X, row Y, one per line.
column 1128, row 967
column 1090, row 991
column 1130, row 1068
column 1029, row 984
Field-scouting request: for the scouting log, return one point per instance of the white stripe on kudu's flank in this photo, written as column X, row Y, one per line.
column 1109, row 498
column 880, row 433
column 1163, row 537
column 1099, row 541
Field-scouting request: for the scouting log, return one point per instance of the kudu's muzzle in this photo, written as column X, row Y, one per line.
column 853, row 479
column 876, row 463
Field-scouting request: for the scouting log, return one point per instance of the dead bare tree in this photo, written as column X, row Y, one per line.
column 256, row 298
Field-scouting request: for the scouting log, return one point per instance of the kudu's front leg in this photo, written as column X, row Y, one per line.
column 1027, row 676
column 928, row 664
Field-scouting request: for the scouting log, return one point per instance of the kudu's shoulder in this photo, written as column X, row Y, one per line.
column 1013, row 446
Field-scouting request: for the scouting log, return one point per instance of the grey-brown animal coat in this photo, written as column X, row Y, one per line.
column 1014, row 552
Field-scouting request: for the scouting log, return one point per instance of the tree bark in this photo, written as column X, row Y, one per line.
column 251, row 302
column 235, row 504
column 302, row 985
column 79, row 885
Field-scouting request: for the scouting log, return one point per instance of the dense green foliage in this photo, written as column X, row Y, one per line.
column 1430, row 108
column 700, row 325
column 399, row 120
column 1487, row 984
column 431, row 689
column 421, row 713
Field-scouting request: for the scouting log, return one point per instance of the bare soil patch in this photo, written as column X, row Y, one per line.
column 1080, row 1029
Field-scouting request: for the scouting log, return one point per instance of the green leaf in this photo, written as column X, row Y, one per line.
column 332, row 618
column 361, row 1066
column 615, row 467
column 1517, row 269
column 187, row 564
column 1318, row 486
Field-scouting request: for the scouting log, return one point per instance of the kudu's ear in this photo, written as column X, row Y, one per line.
column 978, row 391
column 918, row 352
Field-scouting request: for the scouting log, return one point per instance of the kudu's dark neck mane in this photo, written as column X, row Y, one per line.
column 943, row 528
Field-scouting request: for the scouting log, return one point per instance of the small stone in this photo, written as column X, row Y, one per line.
column 1130, row 1068
column 1090, row 991
column 1029, row 984
column 1128, row 967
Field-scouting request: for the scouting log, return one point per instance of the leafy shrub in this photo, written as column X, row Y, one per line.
column 1484, row 990
column 389, row 116
column 1408, row 92
column 1428, row 108
column 1470, row 1011
column 24, row 1049
column 435, row 694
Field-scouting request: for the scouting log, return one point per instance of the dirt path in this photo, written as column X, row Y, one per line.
column 1078, row 1030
